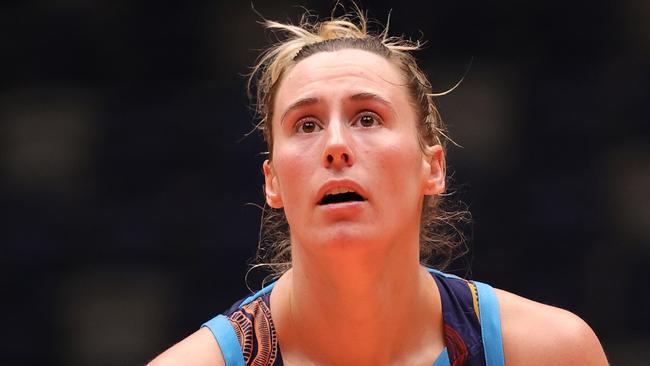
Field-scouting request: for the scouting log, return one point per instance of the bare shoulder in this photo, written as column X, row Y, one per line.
column 200, row 348
column 538, row 334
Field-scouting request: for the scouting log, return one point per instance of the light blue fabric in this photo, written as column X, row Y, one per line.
column 490, row 328
column 225, row 334
column 227, row 338
column 490, row 321
column 443, row 358
column 259, row 293
column 488, row 305
column 448, row 275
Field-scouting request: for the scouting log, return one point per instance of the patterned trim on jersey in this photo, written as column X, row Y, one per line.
column 462, row 330
column 456, row 349
column 460, row 315
column 256, row 333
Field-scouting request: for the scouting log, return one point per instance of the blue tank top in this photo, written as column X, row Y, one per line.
column 470, row 312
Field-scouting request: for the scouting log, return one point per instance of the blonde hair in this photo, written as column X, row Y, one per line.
column 440, row 238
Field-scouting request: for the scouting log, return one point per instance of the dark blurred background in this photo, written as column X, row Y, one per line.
column 124, row 178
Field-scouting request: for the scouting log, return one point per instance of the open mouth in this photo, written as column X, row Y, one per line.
column 343, row 195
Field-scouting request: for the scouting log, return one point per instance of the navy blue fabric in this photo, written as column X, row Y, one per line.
column 462, row 327
column 490, row 325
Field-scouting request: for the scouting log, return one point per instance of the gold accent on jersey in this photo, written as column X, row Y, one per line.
column 474, row 291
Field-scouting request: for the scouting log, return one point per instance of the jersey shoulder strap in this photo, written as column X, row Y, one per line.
column 226, row 337
column 224, row 332
column 490, row 318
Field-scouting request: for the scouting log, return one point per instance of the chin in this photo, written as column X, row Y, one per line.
column 346, row 237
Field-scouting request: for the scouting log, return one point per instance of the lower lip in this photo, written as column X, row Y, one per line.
column 343, row 207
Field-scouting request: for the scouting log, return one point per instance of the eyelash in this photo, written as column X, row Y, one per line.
column 376, row 121
column 305, row 120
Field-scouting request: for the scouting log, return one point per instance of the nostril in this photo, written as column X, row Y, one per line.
column 336, row 159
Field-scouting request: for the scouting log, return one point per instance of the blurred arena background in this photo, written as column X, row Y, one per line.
column 124, row 177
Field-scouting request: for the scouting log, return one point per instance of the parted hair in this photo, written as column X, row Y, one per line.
column 441, row 241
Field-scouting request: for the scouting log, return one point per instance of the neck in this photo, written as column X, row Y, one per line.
column 363, row 308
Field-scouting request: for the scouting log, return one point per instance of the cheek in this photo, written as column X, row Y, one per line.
column 293, row 169
column 401, row 169
column 403, row 158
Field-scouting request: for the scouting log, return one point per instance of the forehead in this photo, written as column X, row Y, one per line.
column 338, row 72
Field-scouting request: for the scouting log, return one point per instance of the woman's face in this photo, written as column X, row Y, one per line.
column 347, row 166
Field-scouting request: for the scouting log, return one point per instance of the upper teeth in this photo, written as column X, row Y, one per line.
column 339, row 190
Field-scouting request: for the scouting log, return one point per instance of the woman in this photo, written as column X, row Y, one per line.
column 357, row 165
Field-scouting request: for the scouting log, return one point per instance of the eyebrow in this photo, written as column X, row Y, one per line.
column 355, row 97
column 374, row 97
column 297, row 104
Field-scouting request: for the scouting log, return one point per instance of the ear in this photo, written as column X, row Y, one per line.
column 271, row 192
column 434, row 170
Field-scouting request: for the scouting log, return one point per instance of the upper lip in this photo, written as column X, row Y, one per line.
column 340, row 183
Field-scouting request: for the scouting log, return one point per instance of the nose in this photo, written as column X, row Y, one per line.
column 337, row 153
